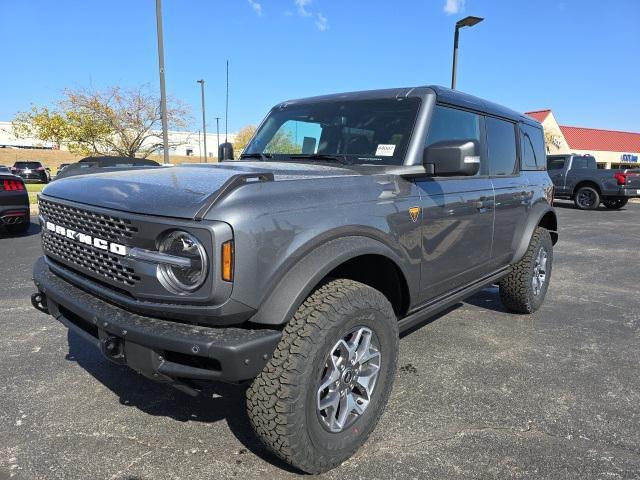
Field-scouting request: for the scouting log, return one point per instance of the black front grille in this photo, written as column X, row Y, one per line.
column 96, row 224
column 100, row 263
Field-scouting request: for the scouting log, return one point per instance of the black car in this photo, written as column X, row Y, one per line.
column 103, row 164
column 14, row 204
column 31, row 170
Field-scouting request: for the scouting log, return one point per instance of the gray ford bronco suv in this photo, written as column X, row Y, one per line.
column 347, row 219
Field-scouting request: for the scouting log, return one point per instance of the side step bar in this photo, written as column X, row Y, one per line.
column 442, row 303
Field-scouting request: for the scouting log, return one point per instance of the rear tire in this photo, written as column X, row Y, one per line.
column 524, row 289
column 615, row 203
column 587, row 198
column 308, row 370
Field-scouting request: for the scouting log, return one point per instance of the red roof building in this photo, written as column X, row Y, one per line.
column 611, row 148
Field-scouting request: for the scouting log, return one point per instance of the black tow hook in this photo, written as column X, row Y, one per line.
column 39, row 302
column 112, row 348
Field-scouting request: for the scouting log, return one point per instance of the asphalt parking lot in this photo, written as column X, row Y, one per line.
column 480, row 393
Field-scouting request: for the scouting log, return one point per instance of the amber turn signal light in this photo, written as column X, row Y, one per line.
column 227, row 261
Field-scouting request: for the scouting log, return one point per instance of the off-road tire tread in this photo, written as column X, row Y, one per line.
column 274, row 394
column 515, row 288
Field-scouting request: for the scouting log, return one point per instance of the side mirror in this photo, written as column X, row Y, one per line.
column 455, row 157
column 225, row 151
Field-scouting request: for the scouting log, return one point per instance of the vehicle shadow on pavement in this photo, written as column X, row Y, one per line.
column 34, row 229
column 569, row 205
column 489, row 299
column 217, row 402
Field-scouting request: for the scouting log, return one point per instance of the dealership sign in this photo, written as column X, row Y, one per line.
column 629, row 158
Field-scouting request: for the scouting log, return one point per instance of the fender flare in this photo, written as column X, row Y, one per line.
column 538, row 211
column 298, row 282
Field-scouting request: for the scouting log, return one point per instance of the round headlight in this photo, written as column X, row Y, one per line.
column 182, row 279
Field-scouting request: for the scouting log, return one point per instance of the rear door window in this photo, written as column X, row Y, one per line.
column 555, row 163
column 501, row 145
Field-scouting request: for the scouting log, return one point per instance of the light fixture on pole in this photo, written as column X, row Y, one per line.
column 204, row 125
column 465, row 22
column 163, row 95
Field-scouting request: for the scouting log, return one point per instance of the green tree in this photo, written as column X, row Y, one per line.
column 282, row 142
column 104, row 122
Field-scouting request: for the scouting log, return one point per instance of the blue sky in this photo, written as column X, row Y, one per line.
column 579, row 57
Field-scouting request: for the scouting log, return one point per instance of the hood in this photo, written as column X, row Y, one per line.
column 178, row 192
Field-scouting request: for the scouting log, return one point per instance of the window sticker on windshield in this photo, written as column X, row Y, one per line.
column 385, row 150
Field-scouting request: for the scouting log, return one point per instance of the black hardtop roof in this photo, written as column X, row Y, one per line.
column 444, row 95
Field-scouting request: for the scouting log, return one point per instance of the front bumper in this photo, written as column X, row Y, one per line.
column 162, row 350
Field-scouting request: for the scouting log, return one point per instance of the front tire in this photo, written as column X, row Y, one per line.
column 524, row 289
column 615, row 203
column 587, row 198
column 329, row 380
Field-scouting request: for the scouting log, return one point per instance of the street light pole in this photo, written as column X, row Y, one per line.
column 217, row 135
column 204, row 125
column 163, row 95
column 465, row 22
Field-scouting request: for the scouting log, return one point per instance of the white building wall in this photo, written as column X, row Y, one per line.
column 191, row 143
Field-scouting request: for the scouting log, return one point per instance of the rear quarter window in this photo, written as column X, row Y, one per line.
column 532, row 148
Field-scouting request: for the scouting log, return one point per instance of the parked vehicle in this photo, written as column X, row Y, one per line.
column 31, row 170
column 90, row 165
column 14, row 204
column 4, row 169
column 347, row 219
column 578, row 178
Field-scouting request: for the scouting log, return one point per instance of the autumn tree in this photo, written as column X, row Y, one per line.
column 242, row 137
column 113, row 121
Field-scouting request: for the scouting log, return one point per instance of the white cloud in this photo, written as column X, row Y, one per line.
column 303, row 9
column 451, row 7
column 321, row 22
column 257, row 7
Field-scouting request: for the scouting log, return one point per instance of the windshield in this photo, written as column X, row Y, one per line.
column 355, row 131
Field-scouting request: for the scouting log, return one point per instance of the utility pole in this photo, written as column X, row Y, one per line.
column 204, row 125
column 163, row 94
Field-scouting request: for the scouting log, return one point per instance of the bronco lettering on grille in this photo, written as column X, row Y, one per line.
column 88, row 239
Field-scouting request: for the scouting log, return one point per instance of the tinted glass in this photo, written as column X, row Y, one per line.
column 452, row 124
column 583, row 162
column 555, row 163
column 27, row 164
column 580, row 162
column 533, row 152
column 361, row 131
column 501, row 144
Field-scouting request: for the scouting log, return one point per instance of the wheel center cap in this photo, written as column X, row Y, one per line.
column 347, row 376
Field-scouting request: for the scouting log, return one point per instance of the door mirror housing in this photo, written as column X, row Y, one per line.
column 454, row 157
column 225, row 151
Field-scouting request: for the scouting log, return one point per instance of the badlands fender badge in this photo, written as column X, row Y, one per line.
column 413, row 213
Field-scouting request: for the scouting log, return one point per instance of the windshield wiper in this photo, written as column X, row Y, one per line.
column 322, row 156
column 260, row 156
